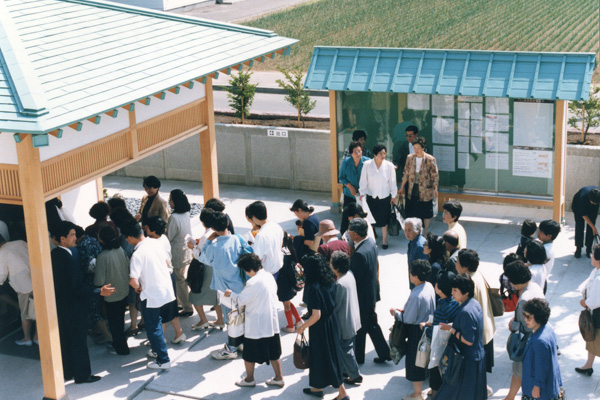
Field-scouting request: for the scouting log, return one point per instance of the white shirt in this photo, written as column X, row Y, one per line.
column 260, row 298
column 267, row 246
column 419, row 162
column 550, row 254
column 14, row 265
column 149, row 266
column 590, row 290
column 538, row 274
column 378, row 182
column 4, row 231
column 201, row 240
column 166, row 245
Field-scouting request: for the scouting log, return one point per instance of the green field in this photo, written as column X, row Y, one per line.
column 516, row 25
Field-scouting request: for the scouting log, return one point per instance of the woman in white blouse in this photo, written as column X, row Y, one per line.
column 261, row 327
column 378, row 184
column 590, row 289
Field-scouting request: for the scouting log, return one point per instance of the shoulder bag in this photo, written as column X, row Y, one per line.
column 423, row 351
column 515, row 345
column 398, row 338
column 301, row 352
column 235, row 325
column 195, row 276
column 586, row 325
column 452, row 363
column 495, row 300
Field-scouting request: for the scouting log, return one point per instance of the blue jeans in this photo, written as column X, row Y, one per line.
column 154, row 332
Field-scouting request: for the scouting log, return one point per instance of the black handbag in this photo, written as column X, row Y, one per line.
column 393, row 224
column 452, row 364
column 301, row 355
column 195, row 276
column 586, row 325
column 515, row 345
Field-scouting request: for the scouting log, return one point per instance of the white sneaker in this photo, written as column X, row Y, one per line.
column 273, row 382
column 152, row 354
column 23, row 342
column 179, row 339
column 244, row 383
column 223, row 354
column 157, row 365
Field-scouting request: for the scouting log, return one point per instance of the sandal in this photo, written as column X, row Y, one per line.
column 200, row 326
column 217, row 326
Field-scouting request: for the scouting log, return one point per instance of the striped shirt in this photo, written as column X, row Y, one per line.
column 445, row 312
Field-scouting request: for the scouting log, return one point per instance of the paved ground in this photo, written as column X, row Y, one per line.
column 239, row 10
column 492, row 230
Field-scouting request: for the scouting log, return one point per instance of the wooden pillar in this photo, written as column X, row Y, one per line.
column 560, row 159
column 132, row 138
column 32, row 190
column 333, row 136
column 208, row 148
column 100, row 188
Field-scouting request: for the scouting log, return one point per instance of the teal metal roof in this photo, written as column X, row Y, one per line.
column 552, row 76
column 64, row 61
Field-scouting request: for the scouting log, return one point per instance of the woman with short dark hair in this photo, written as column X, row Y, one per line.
column 467, row 334
column 99, row 212
column 308, row 228
column 435, row 250
column 349, row 177
column 152, row 204
column 535, row 253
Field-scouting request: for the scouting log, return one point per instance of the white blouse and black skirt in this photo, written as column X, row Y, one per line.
column 379, row 185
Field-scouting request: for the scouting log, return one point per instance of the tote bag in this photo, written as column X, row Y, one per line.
column 235, row 326
column 439, row 341
column 452, row 364
column 301, row 352
column 423, row 351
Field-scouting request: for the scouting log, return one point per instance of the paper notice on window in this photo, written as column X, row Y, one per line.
column 476, row 145
column 463, row 144
column 496, row 161
column 496, row 141
column 463, row 127
column 476, row 111
column 463, row 160
column 445, row 158
column 478, row 99
column 533, row 124
column 442, row 105
column 496, row 122
column 443, row 130
column 418, row 101
column 496, row 105
column 476, row 128
column 533, row 163
column 464, row 110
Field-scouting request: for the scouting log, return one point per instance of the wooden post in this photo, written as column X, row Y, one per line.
column 208, row 149
column 32, row 190
column 100, row 188
column 333, row 136
column 134, row 150
column 560, row 158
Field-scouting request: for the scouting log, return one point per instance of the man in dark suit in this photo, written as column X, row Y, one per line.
column 72, row 305
column 363, row 265
column 401, row 150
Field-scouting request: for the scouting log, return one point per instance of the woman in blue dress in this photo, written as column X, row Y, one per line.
column 307, row 230
column 468, row 332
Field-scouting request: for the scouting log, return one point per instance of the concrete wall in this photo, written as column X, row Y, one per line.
column 583, row 169
column 246, row 155
column 162, row 5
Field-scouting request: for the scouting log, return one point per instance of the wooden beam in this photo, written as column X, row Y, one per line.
column 32, row 190
column 175, row 90
column 145, row 101
column 189, row 84
column 57, row 133
column 95, row 120
column 560, row 160
column 160, row 95
column 208, row 149
column 443, row 197
column 134, row 150
column 76, row 126
column 112, row 113
column 129, row 107
column 100, row 188
column 335, row 191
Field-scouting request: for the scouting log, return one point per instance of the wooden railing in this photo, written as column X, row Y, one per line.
column 10, row 190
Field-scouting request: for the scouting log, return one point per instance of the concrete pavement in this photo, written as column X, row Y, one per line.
column 493, row 230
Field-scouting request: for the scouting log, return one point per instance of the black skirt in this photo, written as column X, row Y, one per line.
column 286, row 280
column 262, row 350
column 419, row 209
column 169, row 311
column 381, row 209
column 414, row 373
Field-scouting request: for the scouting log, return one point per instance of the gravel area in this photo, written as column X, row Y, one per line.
column 133, row 205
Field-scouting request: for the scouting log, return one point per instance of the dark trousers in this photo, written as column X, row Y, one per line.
column 580, row 227
column 345, row 222
column 371, row 327
column 435, row 379
column 115, row 313
column 72, row 328
column 154, row 331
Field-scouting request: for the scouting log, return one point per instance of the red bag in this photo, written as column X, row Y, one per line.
column 510, row 302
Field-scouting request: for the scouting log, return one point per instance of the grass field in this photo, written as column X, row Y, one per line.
column 516, row 25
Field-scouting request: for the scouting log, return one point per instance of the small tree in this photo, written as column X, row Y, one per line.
column 588, row 112
column 241, row 94
column 296, row 95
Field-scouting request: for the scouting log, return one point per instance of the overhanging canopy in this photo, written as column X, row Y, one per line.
column 549, row 76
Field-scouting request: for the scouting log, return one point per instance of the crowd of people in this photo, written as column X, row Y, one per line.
column 142, row 263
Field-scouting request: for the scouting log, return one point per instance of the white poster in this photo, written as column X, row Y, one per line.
column 464, row 110
column 533, row 163
column 476, row 145
column 443, row 130
column 496, row 123
column 478, row 99
column 496, row 141
column 533, row 124
column 476, row 128
column 496, row 161
column 463, row 144
column 418, row 101
column 445, row 157
column 496, row 105
column 463, row 127
column 442, row 105
column 476, row 111
column 463, row 160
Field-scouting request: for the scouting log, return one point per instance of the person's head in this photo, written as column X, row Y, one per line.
column 537, row 313
column 301, row 209
column 443, row 283
column 468, row 261
column 206, row 217
column 155, row 226
column 419, row 146
column 100, row 211
column 594, row 196
column 257, row 212
column 356, row 150
column 179, row 202
column 219, row 222
column 434, row 248
column 116, row 202
column 535, row 252
column 412, row 228
column 316, row 270
column 108, row 237
column 419, row 271
column 452, row 211
column 510, row 258
column 359, row 136
column 596, row 256
column 411, row 133
column 528, row 228
column 358, row 229
column 463, row 288
column 132, row 231
column 64, row 234
column 340, row 262
column 151, row 185
column 450, row 240
column 215, row 204
column 518, row 274
column 548, row 230
column 379, row 152
column 354, row 210
column 250, row 263
column 120, row 216
column 327, row 229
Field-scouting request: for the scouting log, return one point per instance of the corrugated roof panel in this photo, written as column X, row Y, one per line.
column 564, row 76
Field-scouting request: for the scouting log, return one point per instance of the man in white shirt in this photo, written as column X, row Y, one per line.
column 269, row 239
column 14, row 266
column 547, row 233
column 149, row 276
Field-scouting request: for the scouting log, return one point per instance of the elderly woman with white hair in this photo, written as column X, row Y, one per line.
column 413, row 228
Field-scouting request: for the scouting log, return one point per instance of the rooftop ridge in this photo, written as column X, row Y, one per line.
column 173, row 17
column 22, row 78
